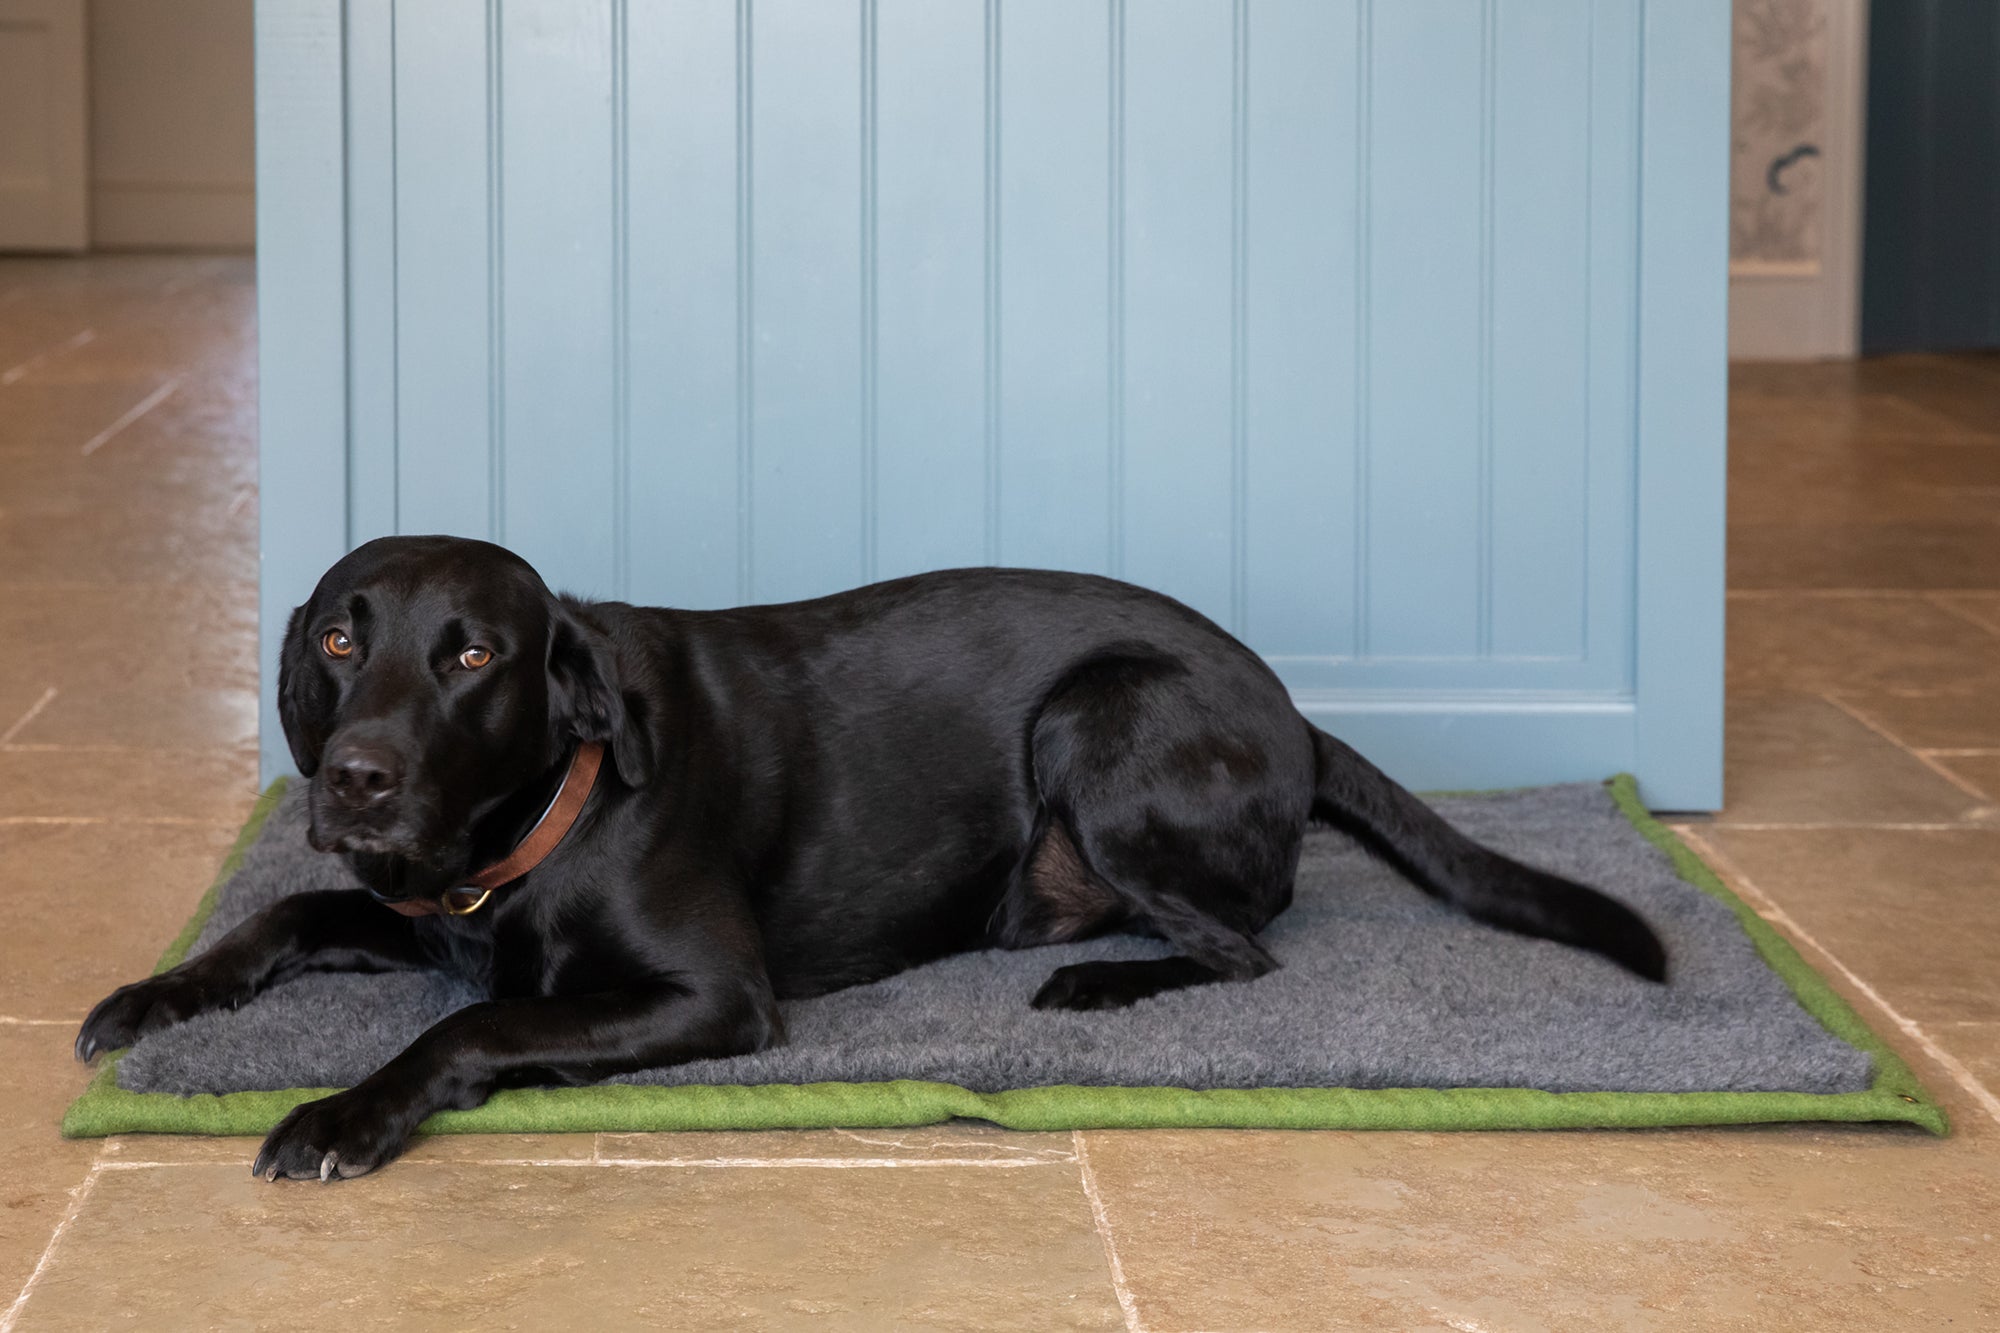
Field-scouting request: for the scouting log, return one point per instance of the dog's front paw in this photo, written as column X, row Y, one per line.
column 130, row 1012
column 335, row 1138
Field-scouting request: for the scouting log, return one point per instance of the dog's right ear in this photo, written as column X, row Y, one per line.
column 305, row 696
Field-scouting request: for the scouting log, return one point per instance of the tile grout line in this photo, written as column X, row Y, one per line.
column 1768, row 908
column 1046, row 1154
column 8, row 1020
column 818, row 1163
column 139, row 409
column 1940, row 601
column 1102, row 1217
column 1808, row 826
column 69, row 344
column 34, row 711
column 648, row 1163
column 78, row 1194
column 1921, row 594
column 1897, row 741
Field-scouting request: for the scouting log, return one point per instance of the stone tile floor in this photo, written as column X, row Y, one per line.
column 1864, row 773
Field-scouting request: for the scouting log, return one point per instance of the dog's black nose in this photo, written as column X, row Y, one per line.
column 360, row 773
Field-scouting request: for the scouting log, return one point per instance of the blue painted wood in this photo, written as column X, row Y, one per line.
column 926, row 391
column 1424, row 251
column 808, row 492
column 1682, row 405
column 1302, row 330
column 371, row 113
column 447, row 327
column 687, row 344
column 1181, row 121
column 301, row 323
column 1055, row 152
column 1388, row 335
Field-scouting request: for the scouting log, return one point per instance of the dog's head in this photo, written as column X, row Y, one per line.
column 426, row 680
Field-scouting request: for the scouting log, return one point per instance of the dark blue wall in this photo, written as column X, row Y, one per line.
column 1931, row 248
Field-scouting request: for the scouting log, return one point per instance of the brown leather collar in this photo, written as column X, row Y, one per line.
column 549, row 830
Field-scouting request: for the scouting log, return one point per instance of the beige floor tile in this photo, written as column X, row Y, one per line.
column 38, row 1168
column 455, row 1245
column 1796, row 758
column 1967, row 717
column 181, row 1149
column 1981, row 607
column 1962, row 388
column 90, row 906
column 436, row 1148
column 1833, row 410
column 1977, row 1045
column 1798, row 477
column 209, row 786
column 1915, row 914
column 955, row 1140
column 80, row 536
column 142, row 665
column 1854, row 644
column 1766, row 1230
column 241, row 1150
column 1914, row 554
column 1981, row 770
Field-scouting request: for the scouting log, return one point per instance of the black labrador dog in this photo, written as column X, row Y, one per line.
column 796, row 798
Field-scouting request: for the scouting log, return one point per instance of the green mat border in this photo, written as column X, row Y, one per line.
column 105, row 1108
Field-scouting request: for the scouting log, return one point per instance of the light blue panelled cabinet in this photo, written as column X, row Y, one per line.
column 1388, row 333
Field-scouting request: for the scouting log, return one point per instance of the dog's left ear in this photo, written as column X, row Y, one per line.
column 587, row 697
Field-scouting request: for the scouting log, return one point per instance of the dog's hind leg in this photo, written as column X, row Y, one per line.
column 1187, row 804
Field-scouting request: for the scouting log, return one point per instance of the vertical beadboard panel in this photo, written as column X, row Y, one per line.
column 928, row 255
column 1056, row 282
column 443, row 270
column 1178, row 318
column 1424, row 329
column 808, row 468
column 559, row 235
column 1612, row 373
column 303, row 436
column 1322, row 314
column 686, row 515
column 1301, row 236
column 1539, row 330
column 371, row 269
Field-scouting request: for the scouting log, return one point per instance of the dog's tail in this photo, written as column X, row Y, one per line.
column 1361, row 800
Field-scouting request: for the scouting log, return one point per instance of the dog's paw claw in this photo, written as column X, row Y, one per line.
column 336, row 1138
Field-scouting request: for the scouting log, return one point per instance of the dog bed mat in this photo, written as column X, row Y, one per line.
column 1390, row 1011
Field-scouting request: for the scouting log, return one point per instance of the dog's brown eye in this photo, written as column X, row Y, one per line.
column 337, row 644
column 475, row 657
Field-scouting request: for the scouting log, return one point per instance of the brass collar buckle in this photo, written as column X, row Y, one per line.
column 464, row 901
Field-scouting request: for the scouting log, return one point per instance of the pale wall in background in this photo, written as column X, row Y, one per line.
column 1795, row 179
column 172, row 135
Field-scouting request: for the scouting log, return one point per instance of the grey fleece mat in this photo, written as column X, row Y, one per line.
column 1380, row 987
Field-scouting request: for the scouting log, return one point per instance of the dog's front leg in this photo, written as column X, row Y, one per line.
column 469, row 1055
column 332, row 930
